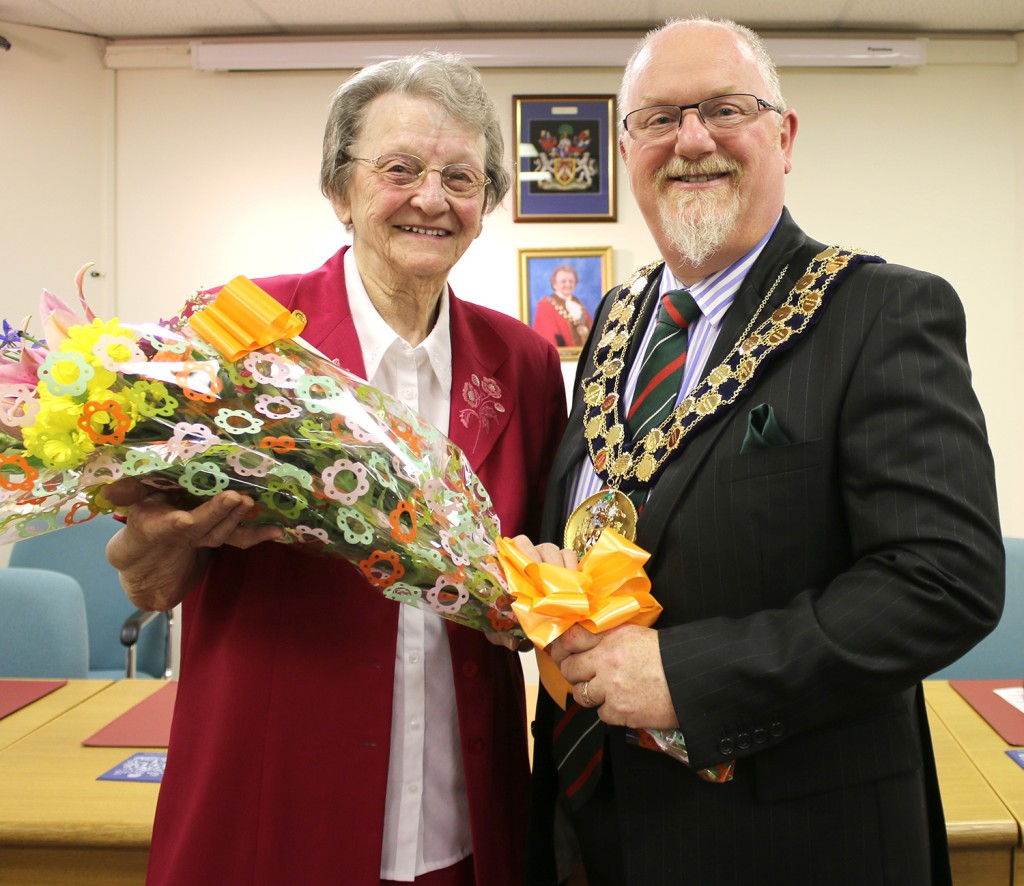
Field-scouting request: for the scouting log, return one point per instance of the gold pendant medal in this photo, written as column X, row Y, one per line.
column 607, row 509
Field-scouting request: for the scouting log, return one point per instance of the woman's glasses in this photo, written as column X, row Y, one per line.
column 406, row 170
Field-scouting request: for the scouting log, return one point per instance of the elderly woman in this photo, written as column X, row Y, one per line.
column 323, row 734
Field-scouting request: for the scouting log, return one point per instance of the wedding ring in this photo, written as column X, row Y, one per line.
column 585, row 694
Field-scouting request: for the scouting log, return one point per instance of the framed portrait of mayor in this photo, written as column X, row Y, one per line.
column 565, row 158
column 560, row 291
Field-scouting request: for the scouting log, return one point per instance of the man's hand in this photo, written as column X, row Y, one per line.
column 621, row 667
column 623, row 674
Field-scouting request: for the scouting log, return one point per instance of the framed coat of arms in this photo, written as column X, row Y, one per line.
column 565, row 158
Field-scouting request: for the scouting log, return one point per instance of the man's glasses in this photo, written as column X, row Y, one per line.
column 720, row 112
column 405, row 171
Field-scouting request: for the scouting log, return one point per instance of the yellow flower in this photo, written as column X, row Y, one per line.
column 56, row 449
column 57, row 413
column 66, row 376
column 116, row 348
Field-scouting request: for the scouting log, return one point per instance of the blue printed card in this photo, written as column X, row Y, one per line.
column 138, row 767
column 1017, row 756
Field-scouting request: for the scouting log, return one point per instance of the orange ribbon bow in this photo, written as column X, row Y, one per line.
column 242, row 318
column 609, row 589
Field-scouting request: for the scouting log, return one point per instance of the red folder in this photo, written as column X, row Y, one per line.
column 998, row 712
column 144, row 725
column 15, row 694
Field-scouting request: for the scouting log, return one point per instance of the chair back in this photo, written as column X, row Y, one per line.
column 80, row 551
column 43, row 630
column 1001, row 654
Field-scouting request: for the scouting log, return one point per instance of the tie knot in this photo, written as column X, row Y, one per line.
column 678, row 308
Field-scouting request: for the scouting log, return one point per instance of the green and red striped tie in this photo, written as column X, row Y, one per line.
column 578, row 739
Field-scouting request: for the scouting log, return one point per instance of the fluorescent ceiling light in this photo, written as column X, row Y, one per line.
column 481, row 52
column 538, row 51
column 871, row 53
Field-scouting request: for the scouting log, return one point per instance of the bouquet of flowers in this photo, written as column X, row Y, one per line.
column 227, row 396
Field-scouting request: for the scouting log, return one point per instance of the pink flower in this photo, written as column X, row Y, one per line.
column 57, row 317
column 481, row 395
column 23, row 371
column 490, row 387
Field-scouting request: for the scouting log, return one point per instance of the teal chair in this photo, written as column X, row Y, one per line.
column 1000, row 655
column 118, row 644
column 43, row 632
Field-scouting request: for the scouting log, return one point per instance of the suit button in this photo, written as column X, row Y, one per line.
column 775, row 730
column 743, row 741
column 726, row 747
column 470, row 669
column 476, row 746
column 760, row 735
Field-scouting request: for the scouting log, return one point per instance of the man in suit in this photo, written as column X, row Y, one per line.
column 819, row 506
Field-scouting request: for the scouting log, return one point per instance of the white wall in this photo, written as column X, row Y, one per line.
column 56, row 106
column 56, row 160
column 173, row 180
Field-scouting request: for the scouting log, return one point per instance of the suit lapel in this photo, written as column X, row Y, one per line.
column 573, row 446
column 777, row 253
column 674, row 482
column 483, row 398
column 323, row 297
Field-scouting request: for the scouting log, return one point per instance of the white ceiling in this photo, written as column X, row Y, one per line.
column 135, row 19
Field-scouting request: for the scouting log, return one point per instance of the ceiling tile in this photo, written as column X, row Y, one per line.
column 927, row 15
column 124, row 19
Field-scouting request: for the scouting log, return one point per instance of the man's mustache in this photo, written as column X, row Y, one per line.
column 680, row 168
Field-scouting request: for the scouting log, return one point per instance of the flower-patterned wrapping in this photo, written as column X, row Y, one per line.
column 339, row 465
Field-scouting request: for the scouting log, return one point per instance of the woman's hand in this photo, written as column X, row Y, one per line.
column 546, row 552
column 542, row 553
column 162, row 550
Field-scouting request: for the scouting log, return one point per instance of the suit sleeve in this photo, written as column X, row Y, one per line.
column 886, row 564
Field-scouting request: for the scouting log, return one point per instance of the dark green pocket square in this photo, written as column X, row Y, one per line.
column 763, row 430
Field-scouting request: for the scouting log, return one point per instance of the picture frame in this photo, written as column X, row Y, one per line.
column 565, row 158
column 559, row 308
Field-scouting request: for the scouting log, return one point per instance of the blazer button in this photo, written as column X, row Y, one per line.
column 760, row 735
column 775, row 730
column 726, row 747
column 470, row 669
column 476, row 746
column 743, row 741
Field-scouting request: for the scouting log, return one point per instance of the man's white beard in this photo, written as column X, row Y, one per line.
column 699, row 223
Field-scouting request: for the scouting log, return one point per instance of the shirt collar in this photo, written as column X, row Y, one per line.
column 376, row 338
column 715, row 294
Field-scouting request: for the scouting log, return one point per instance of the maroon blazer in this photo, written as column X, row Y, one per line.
column 278, row 759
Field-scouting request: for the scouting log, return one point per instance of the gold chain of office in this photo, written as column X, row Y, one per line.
column 604, row 424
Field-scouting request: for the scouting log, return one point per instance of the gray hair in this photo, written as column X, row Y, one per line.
column 765, row 66
column 445, row 78
column 561, row 268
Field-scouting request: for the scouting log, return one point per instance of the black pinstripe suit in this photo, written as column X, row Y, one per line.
column 807, row 588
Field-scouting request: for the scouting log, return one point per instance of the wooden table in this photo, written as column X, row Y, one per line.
column 59, row 826
column 986, row 750
column 16, row 726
